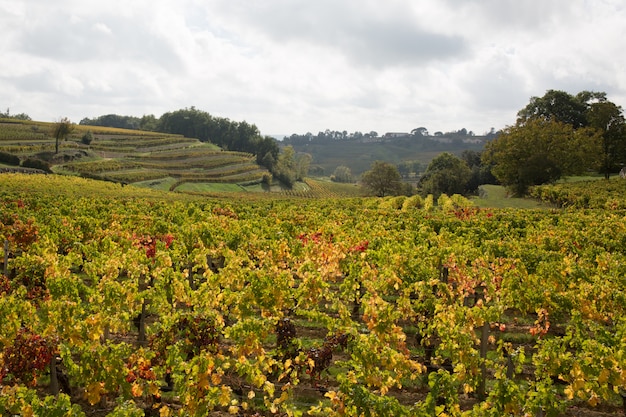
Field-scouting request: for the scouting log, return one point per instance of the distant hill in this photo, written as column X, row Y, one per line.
column 359, row 154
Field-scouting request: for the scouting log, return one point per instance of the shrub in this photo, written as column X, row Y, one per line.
column 37, row 164
column 9, row 159
column 87, row 138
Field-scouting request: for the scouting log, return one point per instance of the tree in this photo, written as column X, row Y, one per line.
column 302, row 164
column 480, row 173
column 383, row 179
column 148, row 122
column 191, row 123
column 113, row 120
column 87, row 138
column 285, row 167
column 61, row 130
column 420, row 131
column 446, row 174
column 558, row 106
column 267, row 151
column 608, row 119
column 342, row 174
column 541, row 150
column 471, row 158
column 404, row 168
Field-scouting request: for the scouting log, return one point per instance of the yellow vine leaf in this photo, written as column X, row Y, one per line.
column 154, row 390
column 136, row 390
column 224, row 398
column 203, row 381
column 93, row 392
column 604, row 376
column 94, row 326
column 27, row 411
column 216, row 379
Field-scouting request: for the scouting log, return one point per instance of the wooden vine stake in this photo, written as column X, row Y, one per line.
column 141, row 322
column 484, row 343
column 54, row 379
column 6, row 258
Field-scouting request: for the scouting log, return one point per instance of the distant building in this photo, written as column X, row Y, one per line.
column 392, row 135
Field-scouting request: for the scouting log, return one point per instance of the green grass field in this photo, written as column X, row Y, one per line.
column 496, row 196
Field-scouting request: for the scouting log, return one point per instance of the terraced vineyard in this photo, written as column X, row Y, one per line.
column 127, row 156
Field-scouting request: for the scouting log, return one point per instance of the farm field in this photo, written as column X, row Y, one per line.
column 127, row 301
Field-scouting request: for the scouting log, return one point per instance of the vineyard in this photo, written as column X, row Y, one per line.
column 123, row 301
column 130, row 156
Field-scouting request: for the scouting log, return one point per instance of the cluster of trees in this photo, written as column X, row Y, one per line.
column 446, row 174
column 334, row 135
column 20, row 116
column 328, row 136
column 146, row 122
column 461, row 133
column 450, row 174
column 558, row 135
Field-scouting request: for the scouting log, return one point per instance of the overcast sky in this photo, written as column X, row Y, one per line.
column 292, row 66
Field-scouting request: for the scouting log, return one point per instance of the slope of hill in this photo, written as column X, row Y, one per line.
column 130, row 156
column 359, row 155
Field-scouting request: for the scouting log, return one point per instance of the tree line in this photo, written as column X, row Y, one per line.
column 343, row 135
column 19, row 116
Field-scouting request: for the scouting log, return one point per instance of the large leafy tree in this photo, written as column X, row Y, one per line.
column 383, row 179
column 608, row 119
column 557, row 106
column 585, row 109
column 446, row 174
column 541, row 150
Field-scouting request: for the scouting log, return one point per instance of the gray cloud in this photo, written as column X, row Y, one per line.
column 383, row 36
column 295, row 65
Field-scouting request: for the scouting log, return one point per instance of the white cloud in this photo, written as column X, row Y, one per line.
column 102, row 28
column 291, row 66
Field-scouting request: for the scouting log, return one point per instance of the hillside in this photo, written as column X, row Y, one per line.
column 125, row 156
column 359, row 155
column 165, row 162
